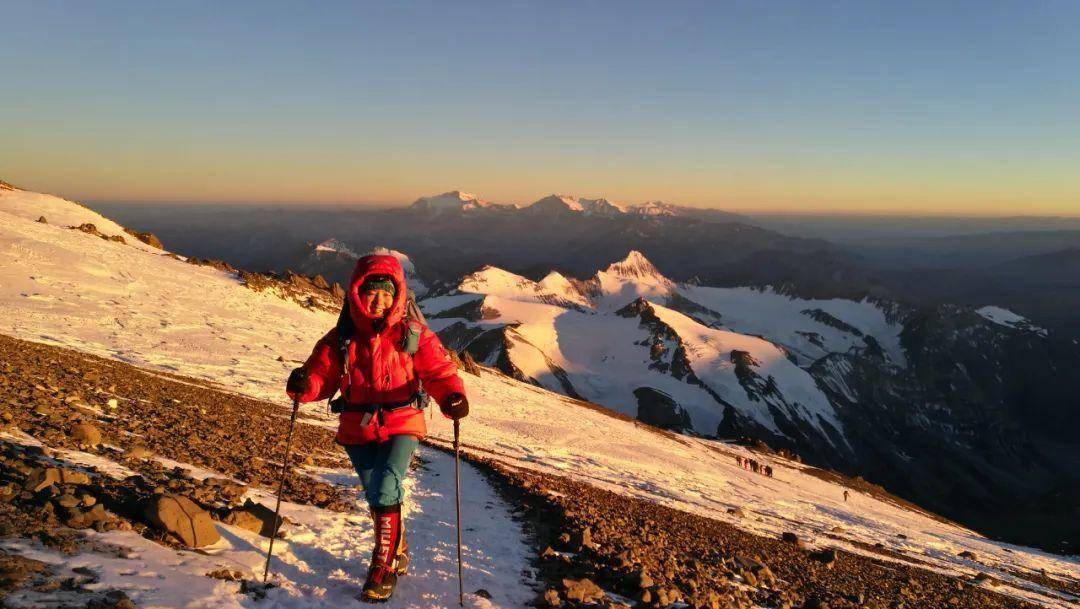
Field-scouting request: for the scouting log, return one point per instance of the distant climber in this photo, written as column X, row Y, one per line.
column 768, row 471
column 845, row 495
column 377, row 356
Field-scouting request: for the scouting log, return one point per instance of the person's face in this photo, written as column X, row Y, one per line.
column 376, row 303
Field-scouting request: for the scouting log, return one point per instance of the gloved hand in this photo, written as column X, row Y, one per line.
column 456, row 407
column 298, row 383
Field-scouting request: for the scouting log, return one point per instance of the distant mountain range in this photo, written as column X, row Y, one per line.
column 454, row 233
column 456, row 201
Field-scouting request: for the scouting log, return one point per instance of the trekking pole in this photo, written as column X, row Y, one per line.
column 281, row 487
column 457, row 504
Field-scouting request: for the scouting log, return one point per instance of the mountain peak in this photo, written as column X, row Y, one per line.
column 635, row 265
column 569, row 203
column 335, row 247
column 556, row 204
column 655, row 208
column 454, row 200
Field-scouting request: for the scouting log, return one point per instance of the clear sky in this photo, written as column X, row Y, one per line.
column 919, row 106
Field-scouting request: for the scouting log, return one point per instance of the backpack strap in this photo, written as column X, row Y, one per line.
column 413, row 325
column 345, row 331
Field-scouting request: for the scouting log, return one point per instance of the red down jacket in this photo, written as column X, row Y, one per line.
column 379, row 371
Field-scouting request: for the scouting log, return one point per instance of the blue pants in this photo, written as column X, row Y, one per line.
column 382, row 467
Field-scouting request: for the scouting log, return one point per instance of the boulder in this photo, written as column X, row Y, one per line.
column 827, row 557
column 114, row 599
column 254, row 517
column 183, row 519
column 245, row 520
column 44, row 477
column 85, row 434
column 586, row 539
column 792, row 538
column 582, row 590
column 68, row 476
column 232, row 491
column 139, row 451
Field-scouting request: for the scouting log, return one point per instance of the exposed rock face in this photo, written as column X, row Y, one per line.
column 147, row 238
column 658, row 409
column 666, row 348
column 183, row 519
column 90, row 229
column 977, row 407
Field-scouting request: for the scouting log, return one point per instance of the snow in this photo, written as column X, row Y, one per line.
column 323, row 559
column 605, row 356
column 710, row 351
column 455, row 200
column 1007, row 318
column 61, row 214
column 67, row 288
column 654, row 208
column 438, row 304
column 494, row 281
column 631, row 278
column 780, row 319
column 415, row 283
column 71, row 289
column 334, row 246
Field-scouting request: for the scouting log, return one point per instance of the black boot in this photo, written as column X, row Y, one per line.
column 382, row 576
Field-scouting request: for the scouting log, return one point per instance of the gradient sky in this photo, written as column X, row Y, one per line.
column 880, row 107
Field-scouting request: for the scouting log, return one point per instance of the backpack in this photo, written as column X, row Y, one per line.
column 410, row 339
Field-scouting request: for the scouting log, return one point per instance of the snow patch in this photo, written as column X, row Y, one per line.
column 1005, row 317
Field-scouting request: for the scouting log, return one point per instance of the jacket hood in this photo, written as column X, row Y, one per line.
column 377, row 264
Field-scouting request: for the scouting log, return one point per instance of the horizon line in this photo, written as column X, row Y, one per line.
column 385, row 205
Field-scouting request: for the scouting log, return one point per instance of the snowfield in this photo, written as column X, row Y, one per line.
column 67, row 288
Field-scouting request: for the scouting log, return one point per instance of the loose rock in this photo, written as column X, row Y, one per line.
column 183, row 519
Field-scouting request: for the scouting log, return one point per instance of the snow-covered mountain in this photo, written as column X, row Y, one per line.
column 145, row 307
column 458, row 202
column 335, row 259
column 637, row 342
column 872, row 387
column 455, row 201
